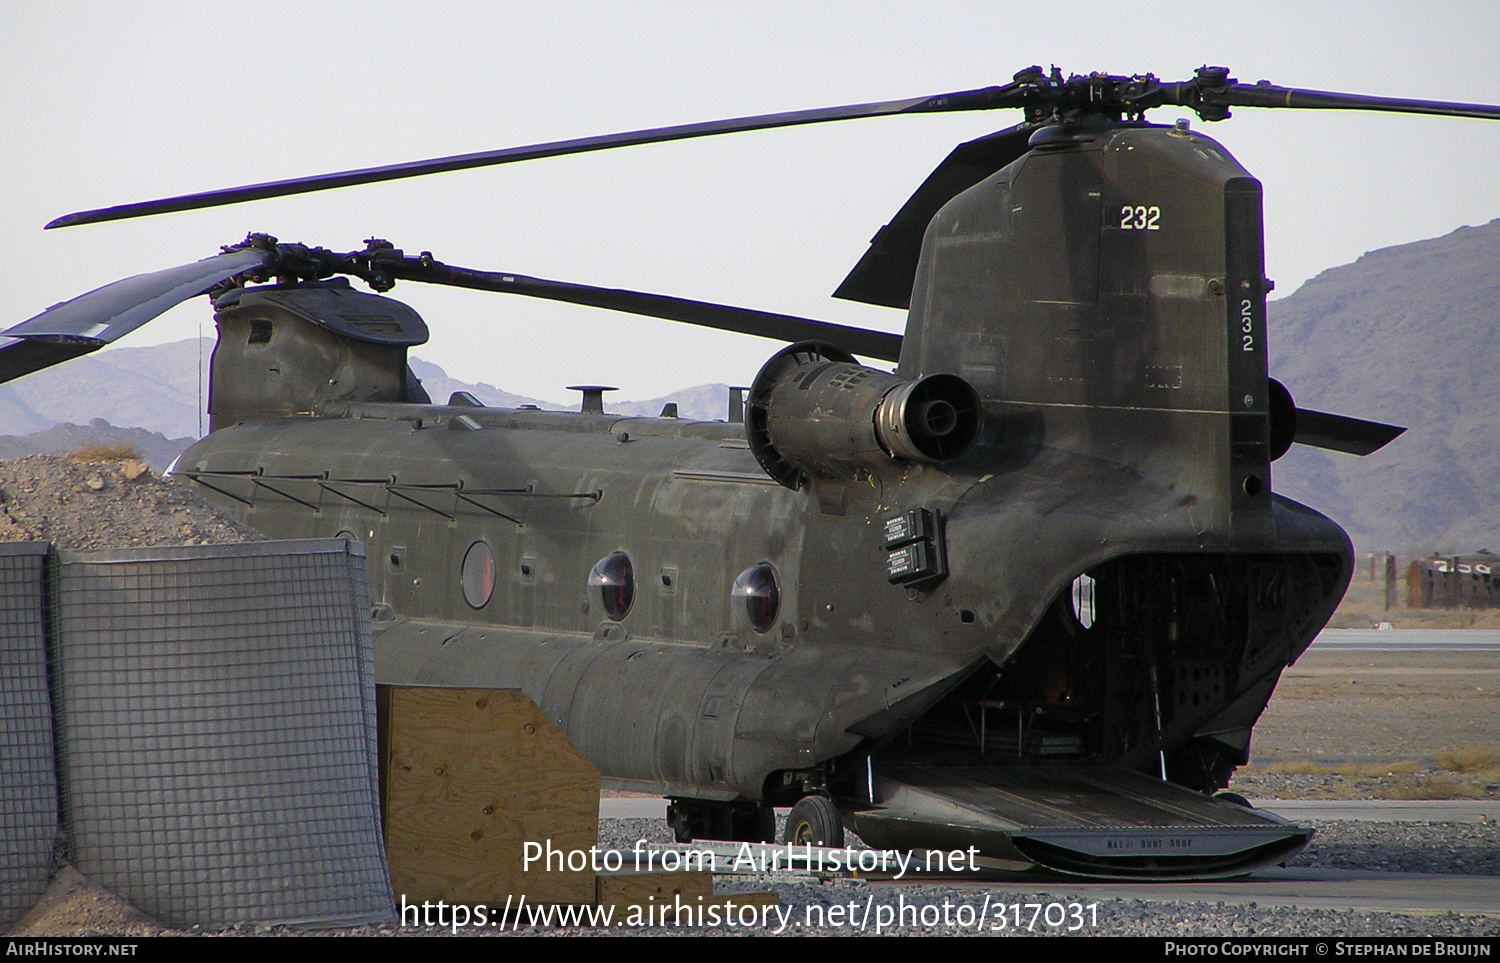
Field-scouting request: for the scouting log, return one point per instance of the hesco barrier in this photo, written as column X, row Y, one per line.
column 216, row 731
column 28, row 784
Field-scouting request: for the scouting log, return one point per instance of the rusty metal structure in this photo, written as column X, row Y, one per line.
column 1454, row 581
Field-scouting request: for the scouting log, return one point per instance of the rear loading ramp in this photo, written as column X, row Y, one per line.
column 1097, row 822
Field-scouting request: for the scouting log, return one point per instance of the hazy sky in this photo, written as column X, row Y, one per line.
column 106, row 103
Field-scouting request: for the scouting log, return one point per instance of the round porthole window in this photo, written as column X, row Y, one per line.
column 479, row 574
column 612, row 585
column 758, row 594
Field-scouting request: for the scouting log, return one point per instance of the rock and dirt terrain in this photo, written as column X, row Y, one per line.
column 74, row 905
column 105, row 496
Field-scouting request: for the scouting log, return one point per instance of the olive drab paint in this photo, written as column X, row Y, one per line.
column 1089, row 298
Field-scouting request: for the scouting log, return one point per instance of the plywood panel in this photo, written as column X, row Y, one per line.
column 470, row 776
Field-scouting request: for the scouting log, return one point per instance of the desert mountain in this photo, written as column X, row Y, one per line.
column 1408, row 335
column 154, row 388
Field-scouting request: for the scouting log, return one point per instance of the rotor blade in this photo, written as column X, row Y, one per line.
column 20, row 358
column 982, row 99
column 885, row 274
column 1269, row 95
column 1320, row 429
column 764, row 324
column 90, row 321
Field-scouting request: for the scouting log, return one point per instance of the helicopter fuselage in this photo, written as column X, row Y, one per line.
column 683, row 694
column 1104, row 580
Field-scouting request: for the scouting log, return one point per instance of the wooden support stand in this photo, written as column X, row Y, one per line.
column 624, row 890
column 467, row 778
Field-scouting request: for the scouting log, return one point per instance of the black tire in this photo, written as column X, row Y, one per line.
column 814, row 820
column 679, row 818
column 736, row 822
column 1234, row 797
column 754, row 825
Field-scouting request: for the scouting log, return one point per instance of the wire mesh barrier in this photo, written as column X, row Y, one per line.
column 28, row 780
column 217, row 742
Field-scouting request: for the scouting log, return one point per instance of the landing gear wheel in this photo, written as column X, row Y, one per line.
column 1234, row 797
column 1202, row 765
column 679, row 817
column 814, row 820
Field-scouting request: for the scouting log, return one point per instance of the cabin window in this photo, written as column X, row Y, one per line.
column 612, row 584
column 759, row 593
column 479, row 575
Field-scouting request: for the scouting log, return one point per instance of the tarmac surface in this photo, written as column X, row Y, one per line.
column 1295, row 810
column 1408, row 640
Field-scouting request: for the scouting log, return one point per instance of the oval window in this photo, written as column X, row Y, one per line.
column 759, row 593
column 479, row 574
column 612, row 583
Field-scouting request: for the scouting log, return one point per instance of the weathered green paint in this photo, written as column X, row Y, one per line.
column 1103, row 296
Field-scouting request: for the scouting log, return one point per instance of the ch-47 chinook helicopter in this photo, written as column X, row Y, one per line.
column 1028, row 593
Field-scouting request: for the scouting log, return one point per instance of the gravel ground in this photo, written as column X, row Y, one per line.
column 1431, row 782
column 1426, row 847
column 1466, row 848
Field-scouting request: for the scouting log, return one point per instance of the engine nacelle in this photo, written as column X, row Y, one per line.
column 285, row 351
column 812, row 410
